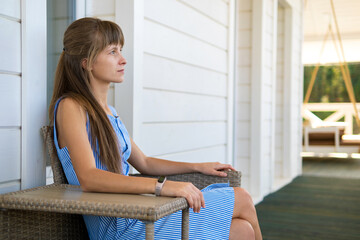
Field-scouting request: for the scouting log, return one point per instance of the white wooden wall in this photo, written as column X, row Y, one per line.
column 255, row 88
column 259, row 115
column 10, row 95
column 243, row 104
column 279, row 125
column 185, row 80
column 22, row 94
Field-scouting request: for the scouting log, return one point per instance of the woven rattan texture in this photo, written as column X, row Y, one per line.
column 201, row 180
column 72, row 200
column 19, row 224
column 58, row 172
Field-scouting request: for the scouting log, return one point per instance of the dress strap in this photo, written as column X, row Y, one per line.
column 55, row 135
column 113, row 111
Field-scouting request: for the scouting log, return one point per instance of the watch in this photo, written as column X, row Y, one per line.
column 159, row 185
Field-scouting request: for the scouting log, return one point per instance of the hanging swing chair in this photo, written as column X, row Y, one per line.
column 324, row 132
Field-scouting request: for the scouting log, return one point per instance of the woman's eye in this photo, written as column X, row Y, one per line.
column 113, row 52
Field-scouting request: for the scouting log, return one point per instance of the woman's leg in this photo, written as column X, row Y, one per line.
column 244, row 210
column 241, row 229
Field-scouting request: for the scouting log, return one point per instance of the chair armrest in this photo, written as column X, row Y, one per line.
column 52, row 211
column 201, row 180
column 70, row 199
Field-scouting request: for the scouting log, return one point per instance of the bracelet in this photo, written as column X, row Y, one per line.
column 159, row 185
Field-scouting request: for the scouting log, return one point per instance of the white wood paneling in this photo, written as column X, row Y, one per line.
column 243, row 74
column 187, row 88
column 160, row 106
column 162, row 73
column 209, row 154
column 245, row 182
column 243, row 130
column 167, row 42
column 107, row 17
column 243, row 148
column 214, row 9
column 244, row 57
column 242, row 164
column 10, row 47
column 10, row 154
column 244, row 111
column 11, row 186
column 245, row 5
column 33, row 92
column 201, row 26
column 100, row 8
column 279, row 137
column 10, row 100
column 177, row 137
column 245, row 21
column 244, row 39
column 10, row 8
column 60, row 9
column 243, row 94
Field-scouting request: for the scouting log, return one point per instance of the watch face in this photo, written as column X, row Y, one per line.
column 161, row 179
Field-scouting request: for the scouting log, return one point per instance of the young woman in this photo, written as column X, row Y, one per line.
column 95, row 149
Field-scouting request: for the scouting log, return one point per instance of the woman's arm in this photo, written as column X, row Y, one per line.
column 71, row 132
column 156, row 166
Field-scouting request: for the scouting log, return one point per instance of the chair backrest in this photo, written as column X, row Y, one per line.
column 58, row 172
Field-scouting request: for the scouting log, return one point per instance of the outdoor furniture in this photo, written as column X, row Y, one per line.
column 54, row 211
column 322, row 135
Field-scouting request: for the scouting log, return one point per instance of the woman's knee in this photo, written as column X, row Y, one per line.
column 242, row 195
column 241, row 229
column 243, row 204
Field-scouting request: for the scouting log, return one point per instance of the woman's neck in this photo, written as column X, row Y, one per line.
column 100, row 92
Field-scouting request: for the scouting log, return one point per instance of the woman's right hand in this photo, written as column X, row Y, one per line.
column 187, row 190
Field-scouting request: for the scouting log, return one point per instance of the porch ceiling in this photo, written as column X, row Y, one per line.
column 318, row 14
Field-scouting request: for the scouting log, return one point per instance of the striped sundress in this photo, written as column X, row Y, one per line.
column 213, row 221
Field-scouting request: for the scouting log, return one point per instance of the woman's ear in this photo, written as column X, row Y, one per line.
column 84, row 65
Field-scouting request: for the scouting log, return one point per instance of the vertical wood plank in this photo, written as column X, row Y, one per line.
column 129, row 15
column 34, row 109
column 10, row 154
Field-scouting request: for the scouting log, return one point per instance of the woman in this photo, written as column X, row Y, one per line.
column 95, row 149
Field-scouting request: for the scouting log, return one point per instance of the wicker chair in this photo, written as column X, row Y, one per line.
column 54, row 211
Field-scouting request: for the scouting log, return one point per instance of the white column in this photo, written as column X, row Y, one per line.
column 33, row 92
column 290, row 141
column 129, row 15
column 231, row 83
column 257, row 92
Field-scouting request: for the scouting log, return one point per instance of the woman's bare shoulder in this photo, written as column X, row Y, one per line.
column 70, row 110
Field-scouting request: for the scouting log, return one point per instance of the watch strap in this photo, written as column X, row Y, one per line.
column 159, row 185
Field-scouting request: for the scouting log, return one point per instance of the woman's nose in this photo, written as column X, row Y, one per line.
column 122, row 60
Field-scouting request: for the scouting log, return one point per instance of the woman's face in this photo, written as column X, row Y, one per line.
column 109, row 65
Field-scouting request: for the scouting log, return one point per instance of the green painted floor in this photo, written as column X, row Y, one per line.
column 332, row 167
column 312, row 207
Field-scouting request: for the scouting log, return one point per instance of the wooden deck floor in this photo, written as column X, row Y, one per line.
column 332, row 167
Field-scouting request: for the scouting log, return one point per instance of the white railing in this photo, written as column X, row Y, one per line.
column 340, row 110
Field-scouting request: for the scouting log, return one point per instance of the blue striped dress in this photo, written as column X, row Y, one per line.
column 213, row 221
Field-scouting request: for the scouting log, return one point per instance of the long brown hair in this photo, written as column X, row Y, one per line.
column 85, row 39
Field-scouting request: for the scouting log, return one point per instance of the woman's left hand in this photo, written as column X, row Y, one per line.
column 213, row 168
